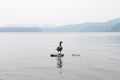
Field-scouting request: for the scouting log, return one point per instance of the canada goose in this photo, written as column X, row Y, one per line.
column 59, row 48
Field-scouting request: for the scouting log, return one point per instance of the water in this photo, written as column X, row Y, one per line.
column 26, row 56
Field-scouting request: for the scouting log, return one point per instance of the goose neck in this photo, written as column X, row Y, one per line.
column 60, row 44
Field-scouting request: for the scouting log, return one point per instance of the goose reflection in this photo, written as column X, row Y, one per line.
column 59, row 62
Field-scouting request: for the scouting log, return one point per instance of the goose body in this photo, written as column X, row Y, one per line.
column 59, row 48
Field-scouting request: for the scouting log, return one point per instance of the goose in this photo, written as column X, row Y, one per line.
column 59, row 48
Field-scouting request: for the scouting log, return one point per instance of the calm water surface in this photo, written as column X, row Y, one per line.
column 26, row 56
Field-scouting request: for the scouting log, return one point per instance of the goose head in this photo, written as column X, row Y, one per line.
column 61, row 41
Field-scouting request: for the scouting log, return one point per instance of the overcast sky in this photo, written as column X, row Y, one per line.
column 57, row 12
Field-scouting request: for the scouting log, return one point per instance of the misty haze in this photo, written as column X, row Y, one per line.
column 59, row 40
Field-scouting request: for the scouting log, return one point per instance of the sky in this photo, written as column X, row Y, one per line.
column 57, row 12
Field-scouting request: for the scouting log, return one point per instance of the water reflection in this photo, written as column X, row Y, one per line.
column 59, row 64
column 114, row 39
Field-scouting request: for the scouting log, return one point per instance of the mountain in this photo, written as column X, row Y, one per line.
column 116, row 28
column 109, row 26
column 19, row 29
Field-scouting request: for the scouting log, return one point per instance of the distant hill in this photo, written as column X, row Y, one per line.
column 116, row 28
column 109, row 26
column 19, row 29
